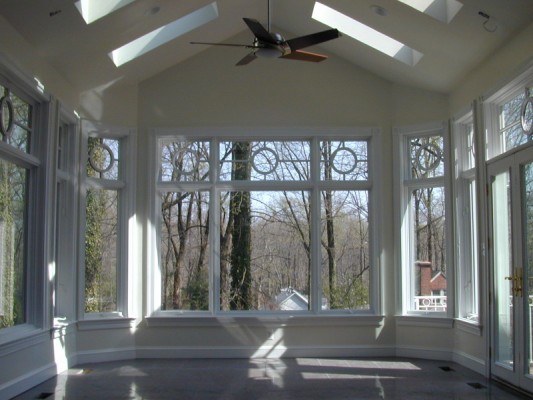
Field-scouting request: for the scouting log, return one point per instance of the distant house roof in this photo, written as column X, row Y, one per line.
column 290, row 299
column 438, row 282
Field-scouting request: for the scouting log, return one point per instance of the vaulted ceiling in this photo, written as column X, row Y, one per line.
column 79, row 51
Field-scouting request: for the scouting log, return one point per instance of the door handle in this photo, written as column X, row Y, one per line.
column 516, row 280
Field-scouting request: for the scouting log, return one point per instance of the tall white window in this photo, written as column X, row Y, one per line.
column 21, row 226
column 424, row 234
column 466, row 233
column 107, row 208
column 270, row 225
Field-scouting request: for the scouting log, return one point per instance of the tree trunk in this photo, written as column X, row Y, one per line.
column 330, row 229
column 240, row 207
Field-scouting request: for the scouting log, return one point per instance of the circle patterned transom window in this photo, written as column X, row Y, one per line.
column 101, row 158
column 526, row 116
column 428, row 157
column 264, row 160
column 6, row 115
column 344, row 160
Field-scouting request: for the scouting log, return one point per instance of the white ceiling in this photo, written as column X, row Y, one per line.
column 80, row 51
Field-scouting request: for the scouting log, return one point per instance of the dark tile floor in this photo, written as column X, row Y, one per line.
column 300, row 378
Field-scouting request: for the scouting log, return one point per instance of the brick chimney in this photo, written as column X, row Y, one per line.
column 425, row 277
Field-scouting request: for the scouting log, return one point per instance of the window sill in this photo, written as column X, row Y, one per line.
column 468, row 326
column 161, row 320
column 106, row 323
column 425, row 321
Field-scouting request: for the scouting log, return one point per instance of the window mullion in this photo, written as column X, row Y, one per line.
column 214, row 226
column 316, row 275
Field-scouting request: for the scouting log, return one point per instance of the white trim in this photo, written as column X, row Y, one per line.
column 274, row 352
column 424, row 321
column 277, row 321
column 216, row 135
column 127, row 266
column 424, row 353
column 27, row 381
column 19, row 337
column 474, row 363
column 16, row 77
column 105, row 322
column 471, row 327
column 105, row 355
column 510, row 85
column 403, row 186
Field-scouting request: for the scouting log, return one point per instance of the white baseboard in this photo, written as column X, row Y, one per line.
column 96, row 356
column 27, row 381
column 466, row 360
column 425, row 353
column 33, row 378
column 263, row 352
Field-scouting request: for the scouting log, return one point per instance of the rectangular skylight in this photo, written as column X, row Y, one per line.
column 366, row 34
column 165, row 34
column 91, row 10
column 442, row 10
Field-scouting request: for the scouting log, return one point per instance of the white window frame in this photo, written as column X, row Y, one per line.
column 35, row 161
column 405, row 258
column 156, row 316
column 126, row 265
column 466, row 219
column 64, row 229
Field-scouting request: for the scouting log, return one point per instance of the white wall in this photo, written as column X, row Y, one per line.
column 494, row 71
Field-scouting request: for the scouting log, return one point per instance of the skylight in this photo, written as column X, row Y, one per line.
column 160, row 36
column 443, row 10
column 366, row 34
column 91, row 10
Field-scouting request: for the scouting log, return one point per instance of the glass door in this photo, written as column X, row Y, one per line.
column 511, row 244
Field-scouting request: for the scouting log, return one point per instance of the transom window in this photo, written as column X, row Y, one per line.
column 264, row 225
column 509, row 117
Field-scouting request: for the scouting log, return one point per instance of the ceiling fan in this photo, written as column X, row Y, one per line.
column 272, row 45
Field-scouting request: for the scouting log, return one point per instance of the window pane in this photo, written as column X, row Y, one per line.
column 428, row 210
column 184, row 161
column 265, row 251
column 470, row 278
column 101, row 247
column 103, row 162
column 17, row 120
column 344, row 161
column 510, row 126
column 470, row 161
column 13, row 204
column 345, row 250
column 185, row 251
column 426, row 154
column 265, row 161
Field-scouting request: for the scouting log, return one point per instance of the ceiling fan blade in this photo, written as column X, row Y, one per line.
column 224, row 44
column 304, row 56
column 312, row 39
column 259, row 31
column 247, row 59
